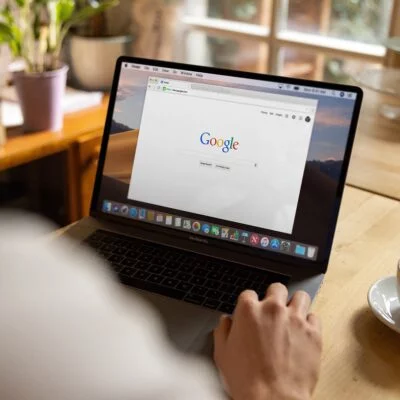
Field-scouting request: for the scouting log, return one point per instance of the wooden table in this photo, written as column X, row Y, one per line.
column 375, row 162
column 79, row 138
column 361, row 357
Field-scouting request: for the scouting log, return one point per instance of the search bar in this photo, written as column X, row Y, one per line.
column 207, row 160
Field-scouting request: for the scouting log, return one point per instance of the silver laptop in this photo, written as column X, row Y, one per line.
column 212, row 181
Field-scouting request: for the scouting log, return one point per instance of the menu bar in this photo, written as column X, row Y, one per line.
column 230, row 234
column 285, row 87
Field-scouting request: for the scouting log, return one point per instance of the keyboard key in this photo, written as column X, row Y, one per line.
column 132, row 253
column 170, row 273
column 199, row 264
column 184, row 286
column 120, row 250
column 119, row 243
column 242, row 273
column 255, row 285
column 115, row 258
column 214, row 275
column 127, row 271
column 153, row 287
column 229, row 279
column 158, row 252
column 227, row 288
column 200, row 272
column 158, row 261
column 170, row 282
column 211, row 303
column 174, row 257
column 156, row 269
column 142, row 275
column 226, row 308
column 213, row 294
column 186, row 268
column 172, row 265
column 199, row 290
column 108, row 247
column 129, row 262
column 146, row 257
column 194, row 298
column 197, row 280
column 155, row 278
column 183, row 276
column 142, row 265
column 190, row 260
column 229, row 298
column 211, row 266
column 236, row 292
column 212, row 284
column 224, row 268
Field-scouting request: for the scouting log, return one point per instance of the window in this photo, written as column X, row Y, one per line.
column 202, row 161
column 313, row 39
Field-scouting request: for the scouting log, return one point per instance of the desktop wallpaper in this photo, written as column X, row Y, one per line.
column 324, row 159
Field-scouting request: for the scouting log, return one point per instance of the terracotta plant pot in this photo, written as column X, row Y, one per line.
column 40, row 96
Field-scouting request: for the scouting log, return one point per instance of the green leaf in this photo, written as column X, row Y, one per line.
column 6, row 35
column 20, row 3
column 65, row 9
column 7, row 15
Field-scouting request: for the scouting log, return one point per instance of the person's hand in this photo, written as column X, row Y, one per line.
column 269, row 350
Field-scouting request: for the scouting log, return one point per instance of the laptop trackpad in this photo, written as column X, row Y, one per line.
column 188, row 326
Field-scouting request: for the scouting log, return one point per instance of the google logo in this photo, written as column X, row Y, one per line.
column 226, row 144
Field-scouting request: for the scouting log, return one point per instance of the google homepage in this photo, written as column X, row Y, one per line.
column 223, row 152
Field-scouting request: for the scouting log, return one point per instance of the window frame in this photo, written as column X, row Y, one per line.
column 269, row 33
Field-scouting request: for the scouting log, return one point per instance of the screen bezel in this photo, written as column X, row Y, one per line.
column 314, row 266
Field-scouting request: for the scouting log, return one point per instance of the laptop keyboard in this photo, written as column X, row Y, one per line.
column 180, row 274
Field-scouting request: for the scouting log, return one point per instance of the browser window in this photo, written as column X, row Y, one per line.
column 224, row 152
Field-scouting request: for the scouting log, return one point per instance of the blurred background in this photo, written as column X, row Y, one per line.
column 343, row 41
column 313, row 39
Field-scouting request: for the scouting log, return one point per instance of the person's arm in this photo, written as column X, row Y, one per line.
column 68, row 331
column 269, row 350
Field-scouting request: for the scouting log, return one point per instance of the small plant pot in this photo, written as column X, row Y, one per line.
column 93, row 59
column 40, row 96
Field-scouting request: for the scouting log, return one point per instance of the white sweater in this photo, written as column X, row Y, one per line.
column 68, row 332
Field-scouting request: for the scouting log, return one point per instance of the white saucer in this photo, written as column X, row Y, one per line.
column 384, row 302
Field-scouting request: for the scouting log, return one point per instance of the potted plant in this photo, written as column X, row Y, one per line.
column 34, row 31
column 95, row 44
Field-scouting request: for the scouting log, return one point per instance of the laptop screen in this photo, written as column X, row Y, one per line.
column 252, row 162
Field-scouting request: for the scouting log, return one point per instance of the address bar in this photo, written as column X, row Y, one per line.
column 281, row 102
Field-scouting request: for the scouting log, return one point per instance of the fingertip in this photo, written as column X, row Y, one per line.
column 279, row 291
column 223, row 328
column 300, row 302
column 248, row 295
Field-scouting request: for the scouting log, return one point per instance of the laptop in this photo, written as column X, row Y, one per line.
column 213, row 181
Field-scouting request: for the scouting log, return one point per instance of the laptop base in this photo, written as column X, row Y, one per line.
column 188, row 326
